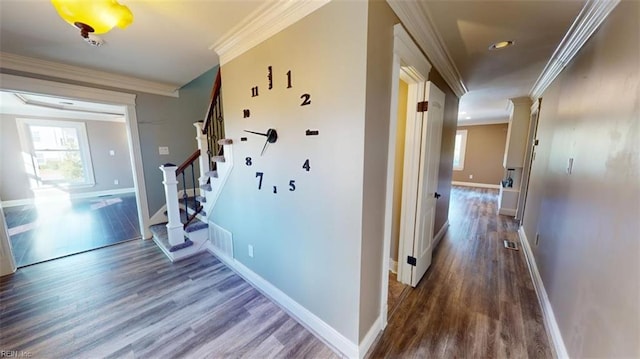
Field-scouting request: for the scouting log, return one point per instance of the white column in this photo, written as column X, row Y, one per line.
column 203, row 146
column 174, row 227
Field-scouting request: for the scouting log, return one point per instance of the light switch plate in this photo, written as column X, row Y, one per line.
column 163, row 150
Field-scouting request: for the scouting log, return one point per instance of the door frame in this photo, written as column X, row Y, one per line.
column 127, row 100
column 409, row 60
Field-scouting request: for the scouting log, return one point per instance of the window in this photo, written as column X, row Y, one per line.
column 459, row 150
column 58, row 151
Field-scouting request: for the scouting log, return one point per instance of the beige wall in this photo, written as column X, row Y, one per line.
column 378, row 107
column 484, row 154
column 307, row 243
column 403, row 93
column 589, row 247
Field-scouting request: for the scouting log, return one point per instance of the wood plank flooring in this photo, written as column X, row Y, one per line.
column 128, row 300
column 477, row 299
column 53, row 229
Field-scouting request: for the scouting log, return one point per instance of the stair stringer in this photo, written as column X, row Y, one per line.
column 217, row 184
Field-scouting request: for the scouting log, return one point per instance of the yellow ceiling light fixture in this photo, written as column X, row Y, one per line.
column 93, row 16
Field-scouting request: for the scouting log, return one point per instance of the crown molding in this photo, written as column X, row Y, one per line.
column 264, row 22
column 593, row 13
column 416, row 18
column 81, row 74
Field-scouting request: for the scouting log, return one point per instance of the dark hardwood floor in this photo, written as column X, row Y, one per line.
column 53, row 230
column 129, row 300
column 477, row 299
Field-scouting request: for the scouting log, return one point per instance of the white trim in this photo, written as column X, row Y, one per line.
column 81, row 74
column 109, row 192
column 481, row 122
column 474, row 184
column 415, row 16
column 264, row 22
column 393, row 265
column 37, row 86
column 593, row 13
column 438, row 237
column 370, row 337
column 314, row 324
column 410, row 63
column 547, row 311
column 507, row 211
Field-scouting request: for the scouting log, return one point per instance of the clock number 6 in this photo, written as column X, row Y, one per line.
column 306, row 165
column 259, row 174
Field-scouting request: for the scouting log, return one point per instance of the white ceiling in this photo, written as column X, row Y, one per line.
column 169, row 41
column 468, row 28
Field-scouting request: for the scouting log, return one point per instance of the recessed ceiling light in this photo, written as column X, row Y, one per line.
column 467, row 118
column 462, row 113
column 500, row 45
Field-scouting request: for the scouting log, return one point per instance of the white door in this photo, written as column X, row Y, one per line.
column 429, row 163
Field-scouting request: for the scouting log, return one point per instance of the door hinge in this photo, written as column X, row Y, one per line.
column 411, row 260
column 423, row 106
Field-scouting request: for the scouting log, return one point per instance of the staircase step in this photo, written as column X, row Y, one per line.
column 213, row 174
column 201, row 199
column 159, row 232
column 225, row 141
column 192, row 202
column 196, row 225
column 206, row 187
column 217, row 159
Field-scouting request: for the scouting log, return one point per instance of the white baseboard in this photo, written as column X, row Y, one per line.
column 317, row 326
column 474, row 184
column 438, row 237
column 370, row 338
column 547, row 311
column 393, row 266
column 29, row 201
column 507, row 211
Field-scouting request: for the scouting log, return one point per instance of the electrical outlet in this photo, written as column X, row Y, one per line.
column 163, row 150
column 250, row 251
column 537, row 238
column 116, row 182
column 470, row 176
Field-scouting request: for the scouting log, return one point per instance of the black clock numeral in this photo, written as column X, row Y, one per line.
column 306, row 99
column 247, row 161
column 246, row 113
column 289, row 79
column 275, row 190
column 292, row 185
column 254, row 91
column 270, row 77
column 306, row 165
column 259, row 174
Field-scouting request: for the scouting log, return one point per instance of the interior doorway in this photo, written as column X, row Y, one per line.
column 53, row 158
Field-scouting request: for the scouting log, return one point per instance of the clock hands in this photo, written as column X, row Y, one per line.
column 271, row 135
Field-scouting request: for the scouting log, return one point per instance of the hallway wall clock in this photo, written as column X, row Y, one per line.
column 267, row 137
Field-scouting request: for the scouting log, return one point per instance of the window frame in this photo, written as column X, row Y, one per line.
column 463, row 149
column 84, row 150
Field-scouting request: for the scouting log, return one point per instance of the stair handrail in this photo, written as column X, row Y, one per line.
column 197, row 207
column 213, row 124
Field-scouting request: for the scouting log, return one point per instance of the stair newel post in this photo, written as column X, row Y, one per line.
column 203, row 146
column 175, row 229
